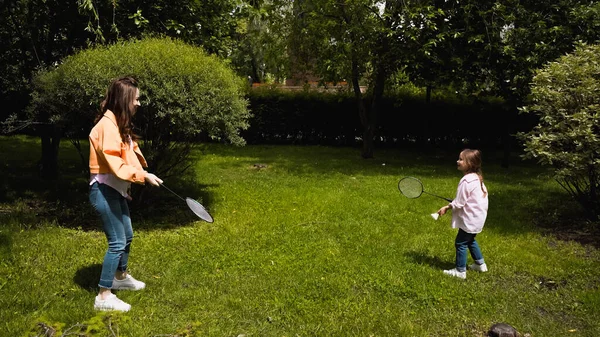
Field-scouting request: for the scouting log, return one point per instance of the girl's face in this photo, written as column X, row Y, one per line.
column 461, row 163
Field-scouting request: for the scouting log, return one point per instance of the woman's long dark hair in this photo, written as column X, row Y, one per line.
column 120, row 99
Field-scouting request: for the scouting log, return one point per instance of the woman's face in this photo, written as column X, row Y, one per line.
column 136, row 102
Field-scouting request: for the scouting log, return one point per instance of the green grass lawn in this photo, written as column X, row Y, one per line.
column 317, row 243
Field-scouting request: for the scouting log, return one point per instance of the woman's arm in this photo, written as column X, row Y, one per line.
column 109, row 147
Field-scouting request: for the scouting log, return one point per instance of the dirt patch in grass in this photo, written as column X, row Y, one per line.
column 567, row 225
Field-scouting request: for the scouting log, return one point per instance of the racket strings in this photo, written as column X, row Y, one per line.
column 198, row 209
column 410, row 187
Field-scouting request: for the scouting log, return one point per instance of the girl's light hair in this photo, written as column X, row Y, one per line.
column 472, row 158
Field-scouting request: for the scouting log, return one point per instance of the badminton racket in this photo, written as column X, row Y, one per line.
column 413, row 188
column 194, row 206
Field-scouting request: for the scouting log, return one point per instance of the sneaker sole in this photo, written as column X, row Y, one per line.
column 109, row 309
column 127, row 288
column 478, row 269
column 454, row 275
column 458, row 277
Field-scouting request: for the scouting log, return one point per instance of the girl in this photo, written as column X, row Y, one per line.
column 469, row 211
column 115, row 162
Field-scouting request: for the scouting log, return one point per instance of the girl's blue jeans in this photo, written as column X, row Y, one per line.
column 116, row 222
column 463, row 242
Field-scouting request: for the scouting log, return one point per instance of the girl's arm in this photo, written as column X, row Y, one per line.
column 462, row 194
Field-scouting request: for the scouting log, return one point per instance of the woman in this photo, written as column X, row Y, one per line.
column 115, row 162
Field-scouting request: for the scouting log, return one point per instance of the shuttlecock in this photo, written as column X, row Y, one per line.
column 435, row 216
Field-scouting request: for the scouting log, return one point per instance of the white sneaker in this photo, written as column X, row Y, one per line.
column 112, row 302
column 478, row 267
column 128, row 283
column 456, row 273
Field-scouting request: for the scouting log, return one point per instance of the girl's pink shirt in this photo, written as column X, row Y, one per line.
column 470, row 206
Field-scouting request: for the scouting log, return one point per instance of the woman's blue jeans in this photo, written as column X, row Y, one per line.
column 463, row 242
column 116, row 222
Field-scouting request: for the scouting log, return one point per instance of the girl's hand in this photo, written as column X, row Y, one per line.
column 443, row 210
column 153, row 180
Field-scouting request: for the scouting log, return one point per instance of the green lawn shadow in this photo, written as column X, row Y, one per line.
column 87, row 277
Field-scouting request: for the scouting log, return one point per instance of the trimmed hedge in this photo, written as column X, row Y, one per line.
column 301, row 117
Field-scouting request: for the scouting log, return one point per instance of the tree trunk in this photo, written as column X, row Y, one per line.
column 428, row 94
column 373, row 112
column 367, row 151
column 256, row 74
column 368, row 144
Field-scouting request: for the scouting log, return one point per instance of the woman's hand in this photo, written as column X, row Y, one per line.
column 153, row 180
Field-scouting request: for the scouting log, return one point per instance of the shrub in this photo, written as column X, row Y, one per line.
column 566, row 96
column 405, row 119
column 186, row 95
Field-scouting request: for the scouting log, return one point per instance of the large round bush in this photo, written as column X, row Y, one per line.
column 185, row 95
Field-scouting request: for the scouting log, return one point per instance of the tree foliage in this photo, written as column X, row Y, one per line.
column 34, row 34
column 363, row 41
column 566, row 97
column 185, row 94
column 489, row 48
column 251, row 33
column 207, row 23
column 498, row 45
column 263, row 29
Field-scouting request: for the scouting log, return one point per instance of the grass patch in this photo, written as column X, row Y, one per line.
column 314, row 241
